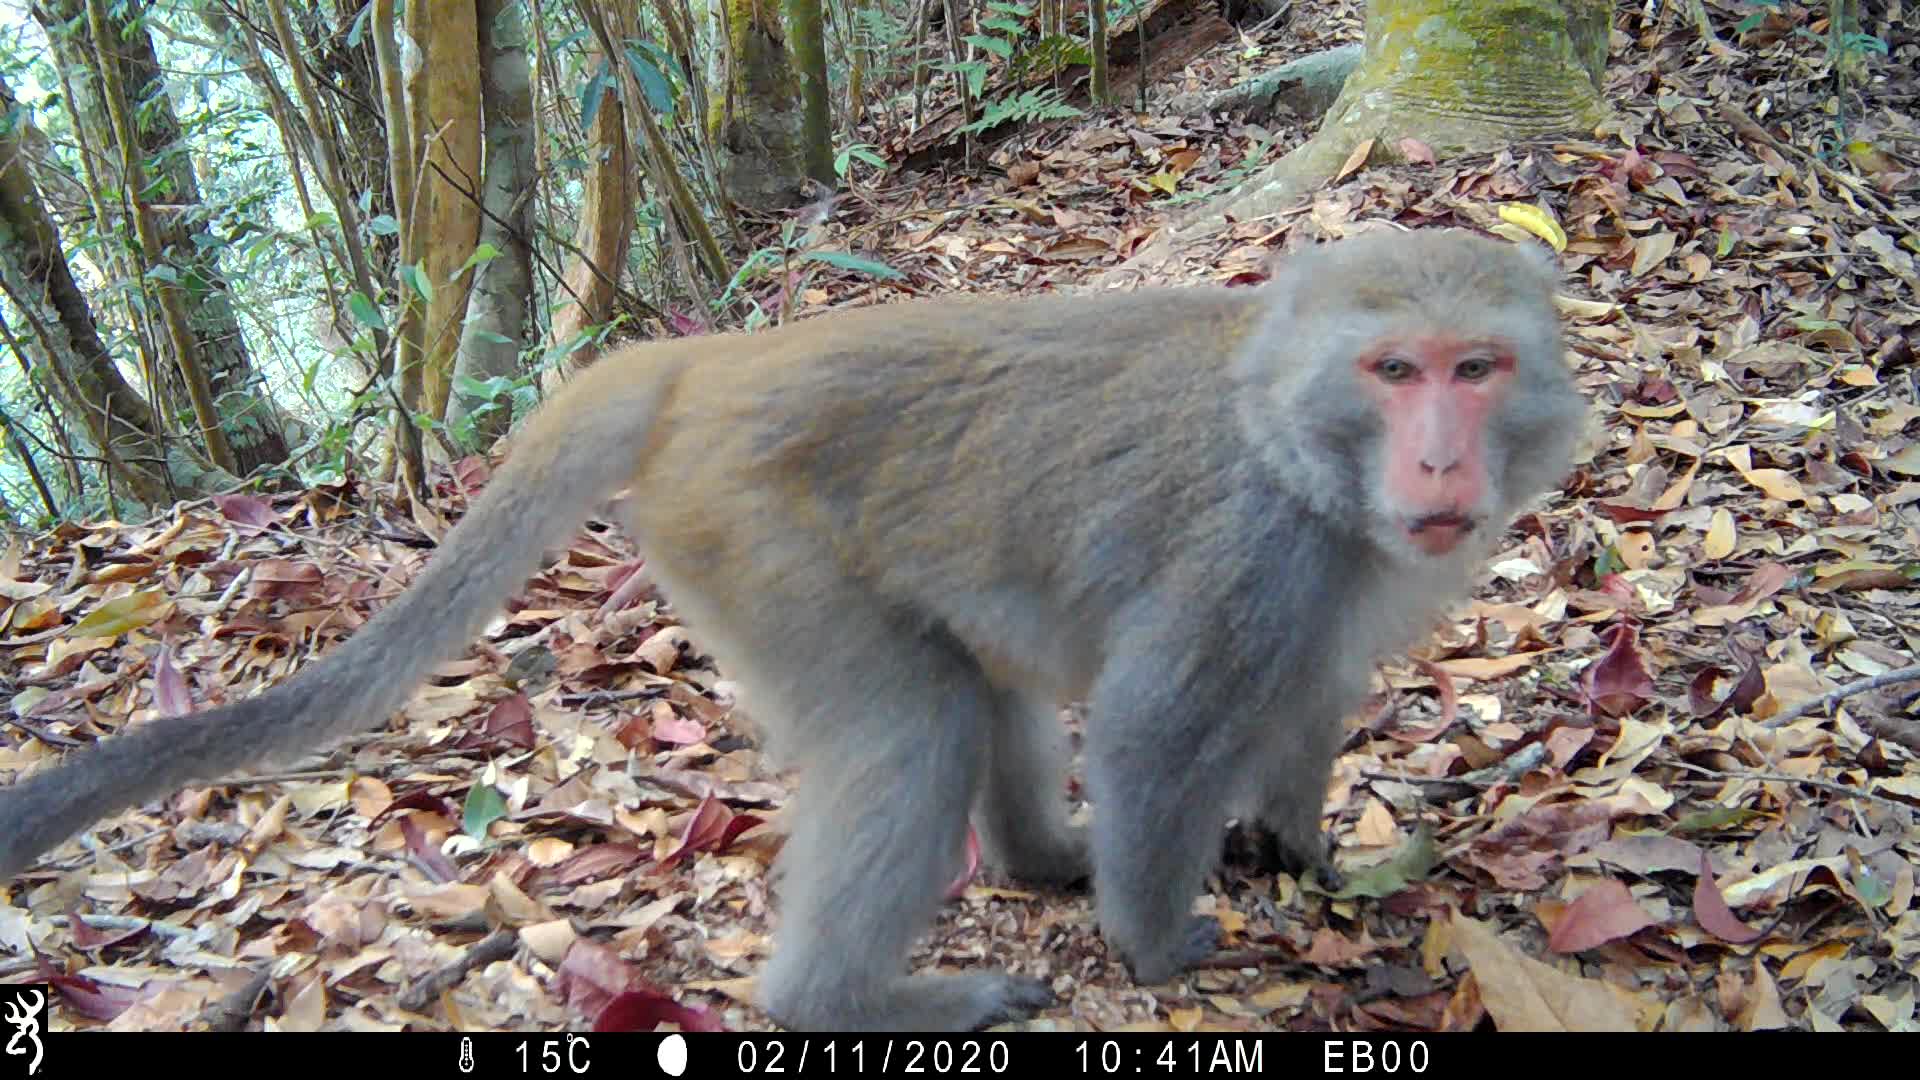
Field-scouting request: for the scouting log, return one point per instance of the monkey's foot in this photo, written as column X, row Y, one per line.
column 1182, row 949
column 961, row 1002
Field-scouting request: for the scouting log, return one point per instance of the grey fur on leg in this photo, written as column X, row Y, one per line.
column 878, row 836
column 1156, row 826
column 1288, row 823
column 1022, row 816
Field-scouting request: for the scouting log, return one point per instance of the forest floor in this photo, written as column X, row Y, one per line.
column 1603, row 795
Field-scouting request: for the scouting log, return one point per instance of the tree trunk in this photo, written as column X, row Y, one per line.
column 592, row 279
column 59, row 340
column 757, row 120
column 1457, row 77
column 255, row 426
column 1466, row 76
column 497, row 307
column 173, row 310
column 445, row 99
column 810, row 63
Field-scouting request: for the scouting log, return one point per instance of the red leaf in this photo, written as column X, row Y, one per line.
column 1741, row 698
column 246, row 510
column 1606, row 912
column 1618, row 683
column 1710, row 909
column 419, row 799
column 677, row 730
column 512, row 721
column 712, row 827
column 597, row 862
column 1622, row 514
column 591, row 975
column 645, row 1010
column 432, row 859
column 91, row 999
column 89, row 939
column 170, row 695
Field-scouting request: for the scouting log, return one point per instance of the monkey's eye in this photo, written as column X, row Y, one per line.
column 1473, row 369
column 1395, row 369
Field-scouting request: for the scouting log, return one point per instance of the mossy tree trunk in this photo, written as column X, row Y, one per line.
column 757, row 118
column 810, row 64
column 1457, row 77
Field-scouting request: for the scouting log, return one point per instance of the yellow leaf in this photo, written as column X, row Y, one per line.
column 121, row 614
column 1719, row 542
column 1676, row 492
column 1777, row 484
column 1654, row 412
column 1635, row 548
column 1536, row 221
column 1355, row 160
column 1165, row 181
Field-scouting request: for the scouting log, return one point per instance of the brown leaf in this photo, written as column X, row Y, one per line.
column 1617, row 684
column 1711, row 911
column 1523, row 994
column 1606, row 912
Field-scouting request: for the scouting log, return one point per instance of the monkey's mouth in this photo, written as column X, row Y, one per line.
column 1437, row 534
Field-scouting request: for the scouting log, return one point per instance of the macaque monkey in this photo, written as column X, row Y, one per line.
column 912, row 531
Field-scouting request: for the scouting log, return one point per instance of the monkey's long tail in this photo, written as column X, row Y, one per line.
column 575, row 452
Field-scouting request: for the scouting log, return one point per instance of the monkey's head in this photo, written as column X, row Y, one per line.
column 1414, row 384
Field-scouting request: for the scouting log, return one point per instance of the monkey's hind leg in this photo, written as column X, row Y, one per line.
column 1022, row 816
column 892, row 756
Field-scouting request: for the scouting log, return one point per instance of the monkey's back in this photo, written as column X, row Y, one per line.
column 925, row 447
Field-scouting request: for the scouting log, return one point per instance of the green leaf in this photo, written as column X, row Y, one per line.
column 1412, row 863
column 163, row 272
column 652, row 83
column 359, row 26
column 416, row 279
column 849, row 261
column 482, row 253
column 383, row 225
column 997, row 46
column 483, row 389
column 364, row 311
column 592, row 94
column 484, row 806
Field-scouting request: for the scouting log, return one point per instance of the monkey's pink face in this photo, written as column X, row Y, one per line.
column 1436, row 396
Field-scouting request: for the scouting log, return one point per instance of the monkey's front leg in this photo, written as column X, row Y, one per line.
column 1163, row 757
column 1291, row 779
